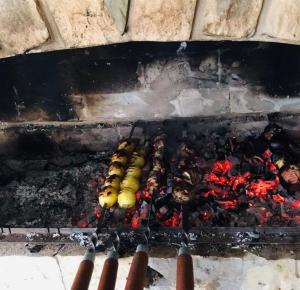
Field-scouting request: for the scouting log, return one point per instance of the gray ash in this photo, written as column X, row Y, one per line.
column 55, row 192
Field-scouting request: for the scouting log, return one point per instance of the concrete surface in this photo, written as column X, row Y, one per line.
column 211, row 273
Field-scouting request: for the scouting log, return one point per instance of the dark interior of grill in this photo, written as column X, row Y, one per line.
column 226, row 170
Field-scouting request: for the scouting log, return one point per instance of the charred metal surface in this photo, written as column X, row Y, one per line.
column 40, row 86
column 228, row 236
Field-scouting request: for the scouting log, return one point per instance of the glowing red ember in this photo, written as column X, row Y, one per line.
column 261, row 188
column 173, row 221
column 237, row 180
column 222, row 167
column 278, row 198
column 297, row 219
column 136, row 221
column 205, row 215
column 228, row 204
column 219, row 180
column 264, row 215
column 97, row 213
column 295, row 204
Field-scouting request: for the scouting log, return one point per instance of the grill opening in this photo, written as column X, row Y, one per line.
column 217, row 125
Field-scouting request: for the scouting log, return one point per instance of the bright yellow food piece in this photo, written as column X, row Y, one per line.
column 108, row 197
column 119, row 157
column 127, row 190
column 116, row 168
column 113, row 181
column 128, row 146
column 130, row 182
column 137, row 160
column 134, row 171
column 126, row 199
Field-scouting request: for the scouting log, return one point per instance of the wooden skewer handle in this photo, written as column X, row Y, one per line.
column 185, row 274
column 109, row 272
column 84, row 272
column 138, row 269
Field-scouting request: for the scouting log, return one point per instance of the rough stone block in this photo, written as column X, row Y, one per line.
column 161, row 20
column 226, row 18
column 280, row 20
column 21, row 27
column 84, row 23
column 118, row 10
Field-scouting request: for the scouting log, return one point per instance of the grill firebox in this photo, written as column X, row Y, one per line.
column 229, row 171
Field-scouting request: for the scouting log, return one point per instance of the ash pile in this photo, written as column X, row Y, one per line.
column 48, row 191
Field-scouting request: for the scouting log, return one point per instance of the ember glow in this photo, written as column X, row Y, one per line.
column 261, row 188
column 240, row 186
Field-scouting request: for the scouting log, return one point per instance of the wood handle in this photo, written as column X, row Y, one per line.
column 83, row 275
column 137, row 273
column 185, row 274
column 109, row 274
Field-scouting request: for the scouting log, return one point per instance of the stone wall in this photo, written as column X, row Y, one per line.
column 43, row 25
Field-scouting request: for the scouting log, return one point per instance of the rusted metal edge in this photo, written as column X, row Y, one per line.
column 161, row 236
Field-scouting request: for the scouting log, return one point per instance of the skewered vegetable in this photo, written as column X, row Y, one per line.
column 116, row 171
column 188, row 175
column 120, row 156
column 116, row 168
column 127, row 146
column 108, row 196
column 158, row 169
column 137, row 160
column 126, row 198
column 130, row 182
column 134, row 171
column 113, row 181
